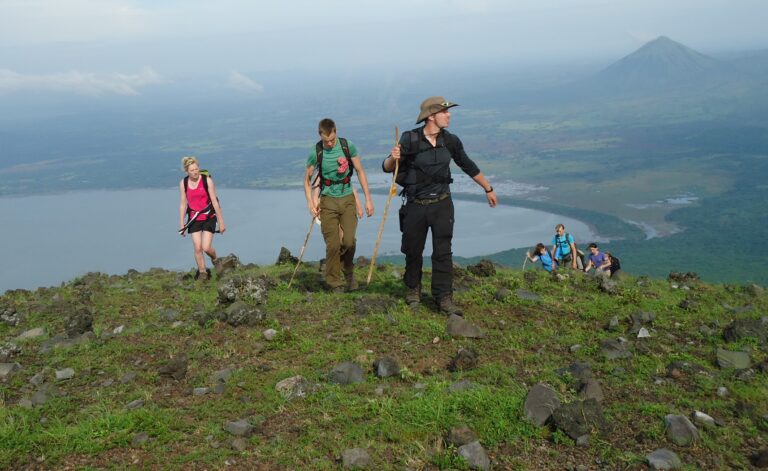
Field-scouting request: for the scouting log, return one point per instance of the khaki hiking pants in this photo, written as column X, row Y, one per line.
column 335, row 213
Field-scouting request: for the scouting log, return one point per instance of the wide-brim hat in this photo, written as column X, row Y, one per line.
column 432, row 105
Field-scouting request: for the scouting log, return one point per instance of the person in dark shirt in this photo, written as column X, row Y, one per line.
column 425, row 174
column 611, row 265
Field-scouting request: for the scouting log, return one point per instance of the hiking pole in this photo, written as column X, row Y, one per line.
column 301, row 253
column 392, row 192
column 525, row 260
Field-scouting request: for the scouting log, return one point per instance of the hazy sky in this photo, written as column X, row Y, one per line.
column 122, row 47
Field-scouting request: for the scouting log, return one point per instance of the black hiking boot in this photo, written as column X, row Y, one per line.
column 413, row 296
column 448, row 307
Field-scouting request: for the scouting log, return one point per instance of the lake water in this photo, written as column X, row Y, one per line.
column 54, row 238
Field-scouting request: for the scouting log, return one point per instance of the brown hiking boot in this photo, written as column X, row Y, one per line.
column 202, row 275
column 338, row 289
column 448, row 307
column 413, row 296
column 351, row 282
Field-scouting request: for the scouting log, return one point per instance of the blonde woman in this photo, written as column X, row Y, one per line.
column 200, row 205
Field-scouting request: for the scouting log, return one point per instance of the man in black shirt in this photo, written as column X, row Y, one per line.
column 425, row 174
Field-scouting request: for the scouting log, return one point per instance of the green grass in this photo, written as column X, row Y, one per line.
column 87, row 425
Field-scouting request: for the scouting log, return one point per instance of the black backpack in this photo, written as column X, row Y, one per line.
column 323, row 182
column 408, row 154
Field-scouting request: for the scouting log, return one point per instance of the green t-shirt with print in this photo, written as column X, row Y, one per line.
column 331, row 168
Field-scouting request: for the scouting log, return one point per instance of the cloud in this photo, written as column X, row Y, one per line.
column 243, row 83
column 84, row 83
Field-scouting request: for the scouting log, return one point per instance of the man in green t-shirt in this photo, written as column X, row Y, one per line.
column 336, row 204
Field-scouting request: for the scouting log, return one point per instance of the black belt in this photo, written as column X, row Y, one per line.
column 427, row 201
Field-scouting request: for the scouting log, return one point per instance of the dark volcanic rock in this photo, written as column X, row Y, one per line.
column 663, row 459
column 176, row 368
column 465, row 359
column 285, row 257
column 385, row 367
column 579, row 418
column 226, row 264
column 760, row 459
column 475, row 455
column 680, row 430
column 540, row 403
column 484, row 268
column 461, row 435
column 248, row 288
column 579, row 370
column 746, row 328
column 459, row 327
column 614, row 349
column 683, row 278
column 79, row 322
column 240, row 313
column 346, row 373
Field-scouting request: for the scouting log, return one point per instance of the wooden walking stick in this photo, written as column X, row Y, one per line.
column 392, row 192
column 301, row 254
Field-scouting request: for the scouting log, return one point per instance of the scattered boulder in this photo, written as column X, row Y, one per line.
column 176, row 368
column 527, row 295
column 579, row 370
column 356, row 458
column 614, row 349
column 465, row 359
column 65, row 374
column 285, row 257
column 590, row 389
column 7, row 369
column 680, row 430
column 63, row 341
column 475, row 455
column 702, row 419
column 613, row 324
column 484, row 268
column 9, row 316
column 79, row 321
column 247, row 288
column 579, row 418
column 9, row 350
column 502, row 294
column 540, row 403
column 295, row 387
column 239, row 444
column 459, row 327
column 461, row 435
column 731, row 359
column 137, row 404
column 683, row 278
column 169, row 315
column 226, row 264
column 221, row 376
column 240, row 313
column 746, row 328
column 664, row 458
column 31, row 334
column 240, row 428
column 385, row 367
column 346, row 373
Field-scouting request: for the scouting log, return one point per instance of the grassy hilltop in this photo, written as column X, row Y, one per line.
column 157, row 371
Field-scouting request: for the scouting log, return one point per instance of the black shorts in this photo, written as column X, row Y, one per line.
column 208, row 225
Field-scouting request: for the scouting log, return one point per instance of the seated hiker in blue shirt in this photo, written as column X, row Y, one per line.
column 541, row 254
column 563, row 247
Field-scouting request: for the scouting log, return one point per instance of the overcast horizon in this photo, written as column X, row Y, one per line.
column 93, row 48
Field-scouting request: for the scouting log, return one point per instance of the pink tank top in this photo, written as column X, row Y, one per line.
column 197, row 199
